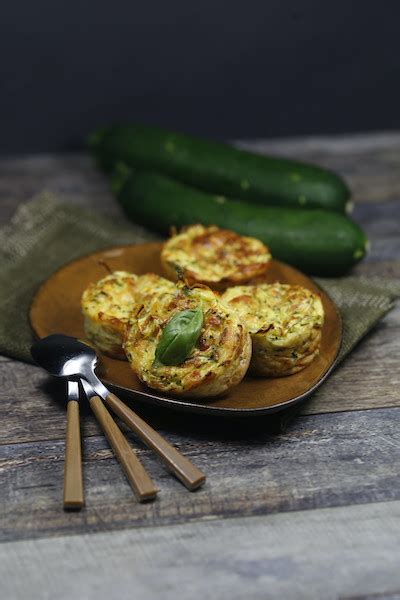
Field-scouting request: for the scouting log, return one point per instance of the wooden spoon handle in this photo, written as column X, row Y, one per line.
column 73, row 482
column 182, row 467
column 138, row 477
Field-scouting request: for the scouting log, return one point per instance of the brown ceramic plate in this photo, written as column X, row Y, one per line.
column 56, row 309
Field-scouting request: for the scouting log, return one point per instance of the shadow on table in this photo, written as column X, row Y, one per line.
column 188, row 424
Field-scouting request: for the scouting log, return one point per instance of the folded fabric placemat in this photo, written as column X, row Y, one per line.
column 45, row 234
column 42, row 236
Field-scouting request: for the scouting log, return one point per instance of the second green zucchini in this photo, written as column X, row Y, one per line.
column 317, row 241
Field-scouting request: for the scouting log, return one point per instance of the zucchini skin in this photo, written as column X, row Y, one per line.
column 219, row 168
column 316, row 241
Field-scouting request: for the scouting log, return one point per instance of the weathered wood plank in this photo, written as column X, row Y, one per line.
column 69, row 177
column 74, row 178
column 322, row 461
column 381, row 223
column 342, row 458
column 369, row 377
column 370, row 163
column 334, row 553
column 32, row 405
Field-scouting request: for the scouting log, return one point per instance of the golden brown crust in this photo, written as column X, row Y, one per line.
column 285, row 324
column 219, row 360
column 215, row 257
column 107, row 306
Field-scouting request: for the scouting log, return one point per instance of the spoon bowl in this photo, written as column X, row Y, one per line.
column 64, row 356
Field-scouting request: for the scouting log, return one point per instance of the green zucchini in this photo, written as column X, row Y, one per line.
column 219, row 168
column 317, row 241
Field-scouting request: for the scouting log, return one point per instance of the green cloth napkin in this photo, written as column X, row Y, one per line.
column 44, row 234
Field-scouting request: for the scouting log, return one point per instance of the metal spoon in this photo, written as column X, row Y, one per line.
column 63, row 356
column 66, row 356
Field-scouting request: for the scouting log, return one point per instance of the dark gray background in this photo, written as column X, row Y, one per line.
column 210, row 67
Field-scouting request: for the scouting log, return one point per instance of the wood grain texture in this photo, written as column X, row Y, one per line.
column 368, row 378
column 369, row 162
column 338, row 553
column 322, row 461
column 351, row 457
column 138, row 477
column 370, row 165
column 176, row 462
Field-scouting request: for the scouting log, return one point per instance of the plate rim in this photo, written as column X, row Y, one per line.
column 182, row 404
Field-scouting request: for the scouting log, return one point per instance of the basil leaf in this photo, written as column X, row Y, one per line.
column 179, row 337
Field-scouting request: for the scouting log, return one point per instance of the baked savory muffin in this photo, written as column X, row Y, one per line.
column 215, row 257
column 285, row 323
column 150, row 283
column 188, row 344
column 108, row 304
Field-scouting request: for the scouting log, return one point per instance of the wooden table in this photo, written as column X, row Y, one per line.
column 313, row 512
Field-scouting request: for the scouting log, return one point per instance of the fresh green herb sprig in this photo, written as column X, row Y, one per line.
column 179, row 337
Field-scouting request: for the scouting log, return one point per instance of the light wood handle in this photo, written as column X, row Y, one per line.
column 138, row 477
column 182, row 467
column 73, row 482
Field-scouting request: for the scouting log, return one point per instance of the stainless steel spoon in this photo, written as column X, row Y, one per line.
column 66, row 356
